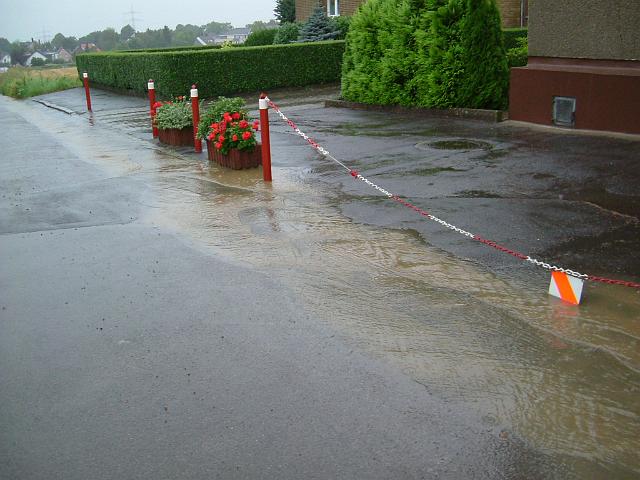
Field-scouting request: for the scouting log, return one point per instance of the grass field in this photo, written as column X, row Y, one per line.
column 21, row 82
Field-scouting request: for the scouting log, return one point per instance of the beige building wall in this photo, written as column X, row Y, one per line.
column 594, row 29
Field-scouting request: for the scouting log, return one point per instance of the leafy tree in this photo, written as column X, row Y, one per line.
column 185, row 35
column 260, row 25
column 5, row 45
column 285, row 11
column 261, row 37
column 18, row 51
column 287, row 33
column 216, row 28
column 318, row 27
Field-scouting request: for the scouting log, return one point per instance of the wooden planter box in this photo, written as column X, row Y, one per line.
column 236, row 159
column 176, row 136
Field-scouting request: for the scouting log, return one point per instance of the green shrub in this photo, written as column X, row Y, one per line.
column 38, row 62
column 217, row 71
column 287, row 33
column 215, row 111
column 512, row 37
column 341, row 25
column 434, row 53
column 261, row 37
column 486, row 72
column 318, row 27
column 519, row 55
column 382, row 57
column 176, row 114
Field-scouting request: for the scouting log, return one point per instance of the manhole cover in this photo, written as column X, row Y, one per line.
column 455, row 144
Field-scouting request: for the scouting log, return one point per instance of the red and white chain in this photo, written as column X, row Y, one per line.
column 396, row 198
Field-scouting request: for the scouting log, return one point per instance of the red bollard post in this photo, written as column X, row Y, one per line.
column 152, row 101
column 264, row 136
column 85, row 80
column 195, row 108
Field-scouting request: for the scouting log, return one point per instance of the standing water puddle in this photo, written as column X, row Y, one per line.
column 564, row 379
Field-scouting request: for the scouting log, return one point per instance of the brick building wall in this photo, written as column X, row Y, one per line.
column 509, row 9
column 305, row 7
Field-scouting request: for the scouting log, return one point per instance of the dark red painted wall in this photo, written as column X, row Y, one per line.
column 607, row 93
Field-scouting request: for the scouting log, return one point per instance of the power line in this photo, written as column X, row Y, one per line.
column 131, row 14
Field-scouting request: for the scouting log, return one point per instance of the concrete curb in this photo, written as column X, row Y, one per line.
column 494, row 116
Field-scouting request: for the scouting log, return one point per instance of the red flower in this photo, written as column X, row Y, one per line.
column 256, row 125
column 236, row 116
column 234, row 138
column 157, row 105
column 218, row 146
column 243, row 124
column 246, row 135
column 221, row 139
column 210, row 136
column 214, row 126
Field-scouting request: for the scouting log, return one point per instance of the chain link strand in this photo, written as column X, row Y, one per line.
column 445, row 224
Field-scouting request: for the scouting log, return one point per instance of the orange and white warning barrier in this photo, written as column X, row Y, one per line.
column 566, row 287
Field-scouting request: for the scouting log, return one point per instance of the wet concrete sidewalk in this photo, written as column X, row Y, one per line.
column 457, row 347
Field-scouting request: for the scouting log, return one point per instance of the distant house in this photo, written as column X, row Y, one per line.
column 236, row 36
column 62, row 54
column 29, row 58
column 584, row 66
column 514, row 12
column 86, row 47
column 5, row 58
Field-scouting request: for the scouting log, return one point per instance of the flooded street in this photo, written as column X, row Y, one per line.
column 476, row 330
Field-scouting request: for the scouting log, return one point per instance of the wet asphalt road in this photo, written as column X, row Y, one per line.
column 128, row 350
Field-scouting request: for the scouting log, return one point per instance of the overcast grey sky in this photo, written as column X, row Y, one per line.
column 23, row 19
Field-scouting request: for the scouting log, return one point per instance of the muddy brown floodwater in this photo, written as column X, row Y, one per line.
column 565, row 380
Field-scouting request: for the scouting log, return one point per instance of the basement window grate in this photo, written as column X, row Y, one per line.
column 564, row 111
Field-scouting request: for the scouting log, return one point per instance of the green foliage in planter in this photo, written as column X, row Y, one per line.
column 287, row 33
column 512, row 37
column 217, row 71
column 174, row 115
column 215, row 111
column 231, row 128
column 519, row 55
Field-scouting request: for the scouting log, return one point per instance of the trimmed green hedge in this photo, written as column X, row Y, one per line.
column 217, row 71
column 511, row 36
column 169, row 49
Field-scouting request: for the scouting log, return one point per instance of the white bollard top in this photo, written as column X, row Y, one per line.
column 85, row 75
column 151, row 86
column 194, row 93
column 263, row 104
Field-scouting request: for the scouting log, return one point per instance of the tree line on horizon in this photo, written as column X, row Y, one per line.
column 129, row 39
